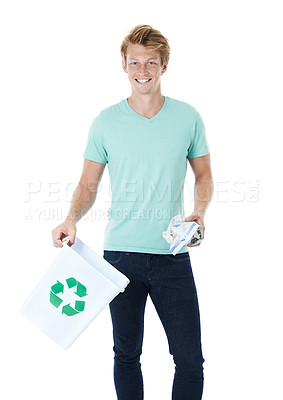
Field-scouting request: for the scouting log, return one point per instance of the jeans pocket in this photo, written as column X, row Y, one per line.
column 113, row 256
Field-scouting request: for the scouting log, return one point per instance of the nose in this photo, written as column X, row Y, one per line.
column 143, row 68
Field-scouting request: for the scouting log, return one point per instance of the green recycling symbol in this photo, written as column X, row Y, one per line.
column 58, row 288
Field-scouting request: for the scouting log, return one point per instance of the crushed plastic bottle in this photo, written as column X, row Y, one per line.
column 181, row 233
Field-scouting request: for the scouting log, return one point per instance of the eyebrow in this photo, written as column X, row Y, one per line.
column 152, row 58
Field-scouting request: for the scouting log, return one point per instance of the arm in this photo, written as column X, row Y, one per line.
column 82, row 200
column 203, row 188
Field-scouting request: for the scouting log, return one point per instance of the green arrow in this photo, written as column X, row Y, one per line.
column 81, row 290
column 79, row 305
column 68, row 310
column 56, row 288
column 71, row 282
column 55, row 300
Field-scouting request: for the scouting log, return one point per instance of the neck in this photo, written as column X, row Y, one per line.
column 146, row 105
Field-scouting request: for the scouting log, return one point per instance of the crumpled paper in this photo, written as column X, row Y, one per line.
column 181, row 233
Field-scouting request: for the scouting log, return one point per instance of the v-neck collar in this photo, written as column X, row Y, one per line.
column 141, row 117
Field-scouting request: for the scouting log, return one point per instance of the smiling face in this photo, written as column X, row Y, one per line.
column 144, row 69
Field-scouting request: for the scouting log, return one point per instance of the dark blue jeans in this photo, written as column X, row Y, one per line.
column 170, row 283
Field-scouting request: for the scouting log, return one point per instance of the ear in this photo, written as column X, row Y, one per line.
column 124, row 66
column 164, row 68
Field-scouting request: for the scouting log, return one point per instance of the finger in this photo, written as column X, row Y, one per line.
column 203, row 229
column 190, row 218
column 72, row 235
column 194, row 245
column 58, row 242
column 57, row 238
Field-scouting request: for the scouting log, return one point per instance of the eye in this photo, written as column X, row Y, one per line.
column 151, row 62
column 134, row 63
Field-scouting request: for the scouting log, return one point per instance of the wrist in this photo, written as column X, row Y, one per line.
column 200, row 212
column 71, row 219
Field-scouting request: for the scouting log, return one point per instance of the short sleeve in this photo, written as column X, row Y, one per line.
column 95, row 150
column 198, row 146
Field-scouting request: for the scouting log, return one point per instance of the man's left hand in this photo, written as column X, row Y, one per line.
column 198, row 217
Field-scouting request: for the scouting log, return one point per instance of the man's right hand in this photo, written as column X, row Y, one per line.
column 67, row 228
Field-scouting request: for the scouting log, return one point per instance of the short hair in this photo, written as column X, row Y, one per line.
column 148, row 37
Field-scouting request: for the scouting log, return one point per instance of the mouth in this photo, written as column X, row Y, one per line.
column 143, row 81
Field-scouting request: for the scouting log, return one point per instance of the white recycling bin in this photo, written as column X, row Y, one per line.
column 75, row 289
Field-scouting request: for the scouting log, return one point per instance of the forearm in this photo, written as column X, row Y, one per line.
column 203, row 191
column 82, row 200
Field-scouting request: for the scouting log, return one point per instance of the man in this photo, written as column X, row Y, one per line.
column 146, row 140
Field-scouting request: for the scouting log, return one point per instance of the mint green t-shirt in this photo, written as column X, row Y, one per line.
column 147, row 163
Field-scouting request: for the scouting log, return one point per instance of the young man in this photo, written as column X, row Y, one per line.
column 146, row 140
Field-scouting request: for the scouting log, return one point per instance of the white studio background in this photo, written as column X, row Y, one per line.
column 60, row 65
